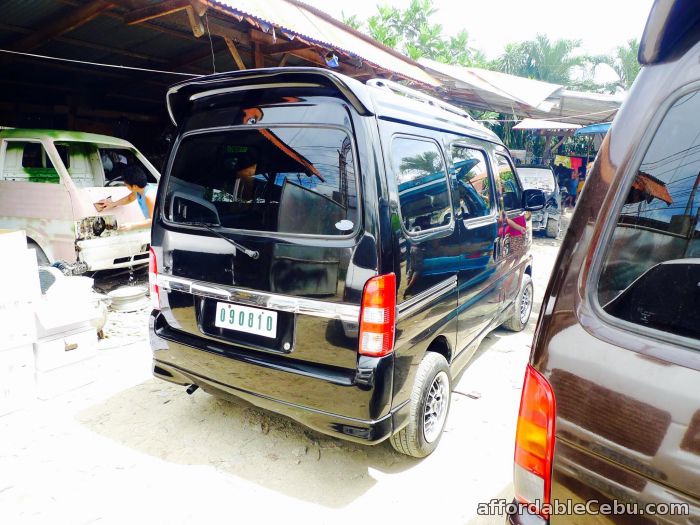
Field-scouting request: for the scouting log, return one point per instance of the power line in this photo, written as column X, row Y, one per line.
column 99, row 64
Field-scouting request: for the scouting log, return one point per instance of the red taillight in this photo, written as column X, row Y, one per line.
column 534, row 442
column 378, row 315
column 153, row 280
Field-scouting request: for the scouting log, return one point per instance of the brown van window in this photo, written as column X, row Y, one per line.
column 422, row 181
column 651, row 272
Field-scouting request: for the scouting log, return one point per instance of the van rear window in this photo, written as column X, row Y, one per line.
column 298, row 180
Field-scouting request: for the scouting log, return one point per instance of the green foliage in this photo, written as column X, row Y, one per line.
column 624, row 63
column 351, row 21
column 428, row 162
column 542, row 59
column 412, row 32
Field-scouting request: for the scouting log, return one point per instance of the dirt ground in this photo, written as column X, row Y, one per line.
column 130, row 449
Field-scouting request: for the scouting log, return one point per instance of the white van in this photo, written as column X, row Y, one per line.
column 49, row 182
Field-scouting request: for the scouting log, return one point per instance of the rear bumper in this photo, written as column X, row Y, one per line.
column 311, row 395
column 115, row 251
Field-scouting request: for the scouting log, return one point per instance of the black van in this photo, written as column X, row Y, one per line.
column 333, row 251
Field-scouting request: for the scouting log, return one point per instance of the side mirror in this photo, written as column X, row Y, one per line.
column 534, row 200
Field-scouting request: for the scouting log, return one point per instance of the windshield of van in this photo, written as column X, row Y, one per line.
column 537, row 178
column 290, row 180
column 114, row 160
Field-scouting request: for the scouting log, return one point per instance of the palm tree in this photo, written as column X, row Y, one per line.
column 428, row 162
column 624, row 63
column 542, row 59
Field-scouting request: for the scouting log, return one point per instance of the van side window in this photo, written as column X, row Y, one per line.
column 651, row 271
column 28, row 162
column 512, row 197
column 473, row 183
column 422, row 181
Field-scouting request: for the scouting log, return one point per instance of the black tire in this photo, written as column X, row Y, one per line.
column 411, row 440
column 41, row 258
column 553, row 226
column 518, row 321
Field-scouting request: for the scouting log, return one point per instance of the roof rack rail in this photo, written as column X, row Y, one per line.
column 416, row 95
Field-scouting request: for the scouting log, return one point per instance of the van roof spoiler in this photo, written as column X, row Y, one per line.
column 180, row 95
column 672, row 28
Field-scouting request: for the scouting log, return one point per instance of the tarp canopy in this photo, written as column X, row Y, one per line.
column 594, row 129
column 533, row 123
column 522, row 97
column 491, row 90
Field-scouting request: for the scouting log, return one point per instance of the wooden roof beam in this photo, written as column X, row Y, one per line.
column 150, row 12
column 234, row 53
column 62, row 24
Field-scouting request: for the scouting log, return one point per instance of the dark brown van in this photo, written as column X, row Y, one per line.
column 609, row 420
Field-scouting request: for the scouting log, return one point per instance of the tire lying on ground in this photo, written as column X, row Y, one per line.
column 430, row 403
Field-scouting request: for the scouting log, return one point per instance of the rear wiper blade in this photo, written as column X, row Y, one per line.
column 253, row 254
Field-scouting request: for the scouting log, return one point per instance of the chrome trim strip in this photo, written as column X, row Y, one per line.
column 478, row 222
column 341, row 311
column 429, row 295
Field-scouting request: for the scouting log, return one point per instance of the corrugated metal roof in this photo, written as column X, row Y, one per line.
column 309, row 23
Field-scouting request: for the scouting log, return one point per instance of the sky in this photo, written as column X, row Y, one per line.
column 601, row 25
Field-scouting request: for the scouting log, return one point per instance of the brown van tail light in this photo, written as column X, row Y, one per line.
column 534, row 442
column 153, row 280
column 378, row 316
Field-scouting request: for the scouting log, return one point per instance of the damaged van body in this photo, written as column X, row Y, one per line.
column 49, row 182
column 333, row 251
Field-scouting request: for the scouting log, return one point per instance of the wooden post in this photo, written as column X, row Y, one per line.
column 258, row 58
column 283, row 62
column 195, row 22
column 234, row 53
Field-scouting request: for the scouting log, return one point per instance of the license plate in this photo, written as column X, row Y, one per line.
column 246, row 319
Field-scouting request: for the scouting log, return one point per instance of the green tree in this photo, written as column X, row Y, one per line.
column 351, row 21
column 412, row 32
column 428, row 162
column 624, row 63
column 542, row 59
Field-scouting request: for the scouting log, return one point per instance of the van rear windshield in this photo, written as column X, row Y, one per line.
column 297, row 180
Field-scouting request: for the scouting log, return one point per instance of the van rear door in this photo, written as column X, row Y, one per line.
column 260, row 217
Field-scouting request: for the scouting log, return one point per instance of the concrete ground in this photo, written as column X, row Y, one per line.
column 130, row 449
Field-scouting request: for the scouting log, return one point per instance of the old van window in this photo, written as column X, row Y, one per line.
column 473, row 183
column 28, row 162
column 289, row 180
column 422, row 182
column 651, row 272
column 512, row 196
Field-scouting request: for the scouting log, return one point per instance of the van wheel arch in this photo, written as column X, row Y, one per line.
column 441, row 346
